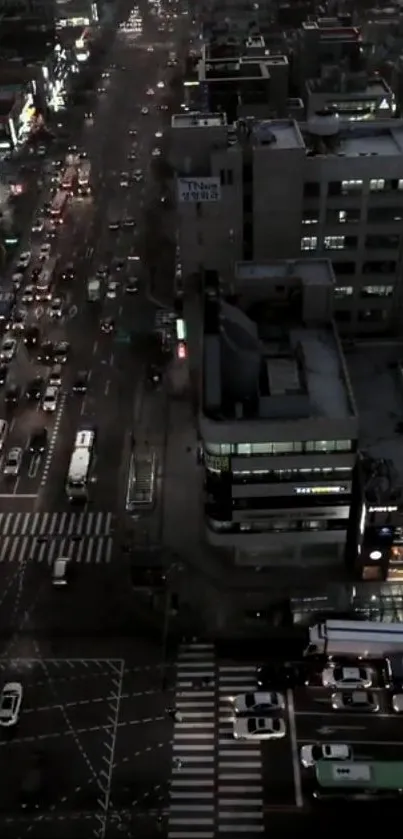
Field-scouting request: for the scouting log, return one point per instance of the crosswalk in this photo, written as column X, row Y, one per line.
column 217, row 782
column 85, row 538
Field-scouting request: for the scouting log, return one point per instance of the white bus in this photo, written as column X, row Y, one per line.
column 43, row 285
column 81, row 462
column 360, row 639
column 58, row 205
column 84, row 175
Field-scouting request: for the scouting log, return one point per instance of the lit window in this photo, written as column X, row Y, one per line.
column 334, row 243
column 309, row 243
column 377, row 291
column 400, row 183
column 351, row 186
column 377, row 184
column 343, row 291
column 309, row 219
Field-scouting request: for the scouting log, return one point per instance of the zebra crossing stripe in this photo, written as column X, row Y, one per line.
column 88, row 550
column 56, row 524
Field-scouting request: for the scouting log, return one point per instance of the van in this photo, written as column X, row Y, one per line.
column 3, row 432
column 59, row 572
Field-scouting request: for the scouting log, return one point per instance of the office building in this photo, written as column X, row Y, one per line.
column 275, row 190
column 277, row 420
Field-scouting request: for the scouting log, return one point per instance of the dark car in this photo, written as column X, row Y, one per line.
column 34, row 275
column 46, row 352
column 31, row 336
column 80, row 383
column 61, row 352
column 12, row 394
column 34, row 388
column 33, row 780
column 107, row 325
column 3, row 373
column 132, row 285
column 68, row 272
column 288, row 674
column 38, row 441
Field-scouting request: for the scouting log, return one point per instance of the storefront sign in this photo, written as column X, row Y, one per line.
column 199, row 190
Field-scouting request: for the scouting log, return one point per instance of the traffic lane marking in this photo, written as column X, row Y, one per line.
column 355, row 742
column 54, row 735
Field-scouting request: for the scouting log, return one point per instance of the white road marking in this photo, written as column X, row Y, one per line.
column 294, row 750
column 52, row 443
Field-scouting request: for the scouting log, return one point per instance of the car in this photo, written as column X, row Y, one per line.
column 38, row 224
column 133, row 132
column 124, row 179
column 107, row 325
column 28, row 295
column 35, row 273
column 32, row 336
column 68, row 272
column 132, row 285
column 355, row 700
column 258, row 728
column 118, row 264
column 156, row 152
column 129, row 221
column 50, row 397
column 18, row 320
column 144, row 111
column 33, row 779
column 111, row 290
column 81, row 382
column 46, row 352
column 114, row 224
column 10, row 703
column 38, row 440
column 132, row 155
column 102, row 272
column 44, row 251
column 56, row 308
column 138, row 175
column 158, row 135
column 258, row 703
column 160, row 85
column 288, row 674
column 150, row 91
column 12, row 394
column 312, row 752
column 55, row 376
column 61, row 352
column 12, row 463
column 8, row 347
column 153, row 374
column 24, row 259
column 34, row 389
column 17, row 280
column 347, row 677
column 3, row 373
column 150, row 48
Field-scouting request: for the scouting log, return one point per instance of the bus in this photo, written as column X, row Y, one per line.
column 359, row 639
column 69, row 178
column 84, row 175
column 81, row 463
column 358, row 780
column 58, row 205
column 43, row 285
column 141, row 484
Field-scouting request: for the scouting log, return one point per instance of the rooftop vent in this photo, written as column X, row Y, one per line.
column 324, row 124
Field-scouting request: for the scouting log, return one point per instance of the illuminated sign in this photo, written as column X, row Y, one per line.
column 215, row 463
column 383, row 509
column 180, row 329
column 320, row 490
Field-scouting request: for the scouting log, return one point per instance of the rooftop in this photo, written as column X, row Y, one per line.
column 377, row 380
column 231, row 69
column 262, row 359
column 375, row 137
column 349, row 85
column 194, row 119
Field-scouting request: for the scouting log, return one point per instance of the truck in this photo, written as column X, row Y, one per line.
column 355, row 638
column 93, row 290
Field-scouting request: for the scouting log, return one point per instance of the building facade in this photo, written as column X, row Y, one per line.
column 325, row 189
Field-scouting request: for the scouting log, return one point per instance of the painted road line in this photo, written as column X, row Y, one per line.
column 299, row 800
column 56, row 524
column 52, row 443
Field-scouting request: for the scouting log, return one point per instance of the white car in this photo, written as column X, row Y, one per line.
column 260, row 702
column 8, row 347
column 150, row 91
column 158, row 135
column 156, row 152
column 312, row 752
column 258, row 728
column 28, row 295
column 49, row 401
column 10, row 703
column 347, row 677
column 12, row 464
column 111, row 290
column 397, row 703
column 17, row 279
column 56, row 308
column 124, row 179
column 24, row 260
column 138, row 175
column 161, row 85
column 44, row 251
column 144, row 111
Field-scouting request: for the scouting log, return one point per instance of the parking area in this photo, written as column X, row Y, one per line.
column 311, row 720
column 58, row 759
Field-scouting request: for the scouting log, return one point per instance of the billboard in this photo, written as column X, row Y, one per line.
column 199, row 190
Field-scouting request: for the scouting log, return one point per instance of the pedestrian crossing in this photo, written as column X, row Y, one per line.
column 217, row 782
column 85, row 538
